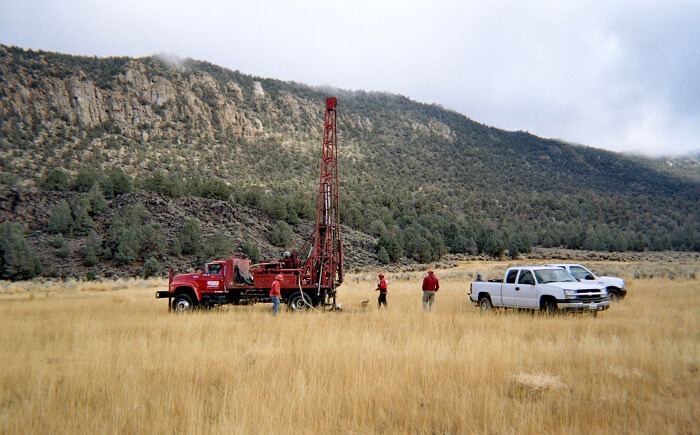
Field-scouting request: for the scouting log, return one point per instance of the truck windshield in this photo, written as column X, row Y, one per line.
column 553, row 275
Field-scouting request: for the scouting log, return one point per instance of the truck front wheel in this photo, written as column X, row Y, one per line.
column 485, row 304
column 613, row 296
column 549, row 306
column 182, row 303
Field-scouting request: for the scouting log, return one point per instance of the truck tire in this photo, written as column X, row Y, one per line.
column 549, row 306
column 182, row 303
column 300, row 301
column 485, row 304
column 613, row 296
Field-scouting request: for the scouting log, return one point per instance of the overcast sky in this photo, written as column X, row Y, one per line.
column 621, row 75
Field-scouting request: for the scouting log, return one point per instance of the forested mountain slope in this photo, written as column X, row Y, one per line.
column 422, row 180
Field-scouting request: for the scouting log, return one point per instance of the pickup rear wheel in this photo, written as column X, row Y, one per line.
column 182, row 303
column 485, row 304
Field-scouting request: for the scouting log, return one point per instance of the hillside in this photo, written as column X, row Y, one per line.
column 422, row 181
column 236, row 223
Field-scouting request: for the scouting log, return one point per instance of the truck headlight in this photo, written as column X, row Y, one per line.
column 570, row 294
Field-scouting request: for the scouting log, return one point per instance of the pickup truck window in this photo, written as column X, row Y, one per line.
column 580, row 272
column 510, row 279
column 553, row 275
column 526, row 278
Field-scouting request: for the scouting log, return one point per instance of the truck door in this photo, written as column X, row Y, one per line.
column 508, row 291
column 212, row 279
column 526, row 295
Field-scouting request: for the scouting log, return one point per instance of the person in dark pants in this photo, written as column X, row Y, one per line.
column 383, row 289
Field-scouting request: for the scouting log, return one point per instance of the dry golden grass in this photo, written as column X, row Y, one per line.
column 109, row 358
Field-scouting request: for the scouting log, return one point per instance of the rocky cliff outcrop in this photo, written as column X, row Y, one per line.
column 145, row 98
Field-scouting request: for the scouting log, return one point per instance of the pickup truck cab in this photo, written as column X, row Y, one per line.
column 546, row 288
column 615, row 286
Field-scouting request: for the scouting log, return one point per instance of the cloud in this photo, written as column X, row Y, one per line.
column 619, row 75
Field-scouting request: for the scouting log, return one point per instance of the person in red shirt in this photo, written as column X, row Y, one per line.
column 383, row 289
column 275, row 293
column 430, row 286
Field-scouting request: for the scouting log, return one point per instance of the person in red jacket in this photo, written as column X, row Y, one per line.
column 383, row 289
column 430, row 286
column 275, row 293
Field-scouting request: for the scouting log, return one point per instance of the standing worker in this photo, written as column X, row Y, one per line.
column 275, row 293
column 430, row 286
column 383, row 289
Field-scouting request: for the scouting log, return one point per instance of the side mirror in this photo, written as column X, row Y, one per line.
column 590, row 277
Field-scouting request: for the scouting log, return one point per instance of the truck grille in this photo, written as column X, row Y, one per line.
column 589, row 295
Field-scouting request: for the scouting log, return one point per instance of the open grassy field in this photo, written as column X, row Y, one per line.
column 107, row 357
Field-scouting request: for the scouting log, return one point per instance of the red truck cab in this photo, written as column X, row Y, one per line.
column 209, row 286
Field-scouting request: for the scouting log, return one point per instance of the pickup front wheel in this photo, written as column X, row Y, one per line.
column 549, row 306
column 485, row 304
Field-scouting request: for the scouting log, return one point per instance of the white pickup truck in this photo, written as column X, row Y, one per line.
column 545, row 288
column 615, row 286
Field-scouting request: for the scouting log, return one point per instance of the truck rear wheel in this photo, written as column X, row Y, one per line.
column 485, row 304
column 182, row 303
column 300, row 301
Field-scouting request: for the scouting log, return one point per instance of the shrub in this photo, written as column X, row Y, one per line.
column 80, row 209
column 153, row 242
column 176, row 248
column 95, row 200
column 217, row 246
column 58, row 241
column 92, row 246
column 64, row 250
column 17, row 260
column 128, row 245
column 168, row 185
column 189, row 237
column 84, row 180
column 90, row 258
column 383, row 256
column 151, row 268
column 215, row 189
column 55, row 179
column 274, row 206
column 281, row 235
column 116, row 182
column 61, row 220
column 251, row 251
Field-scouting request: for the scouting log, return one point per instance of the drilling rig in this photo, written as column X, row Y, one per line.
column 310, row 275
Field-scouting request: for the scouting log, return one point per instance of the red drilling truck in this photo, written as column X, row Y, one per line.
column 311, row 275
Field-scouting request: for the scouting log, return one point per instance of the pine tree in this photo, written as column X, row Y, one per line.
column 189, row 237
column 61, row 220
column 17, row 260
